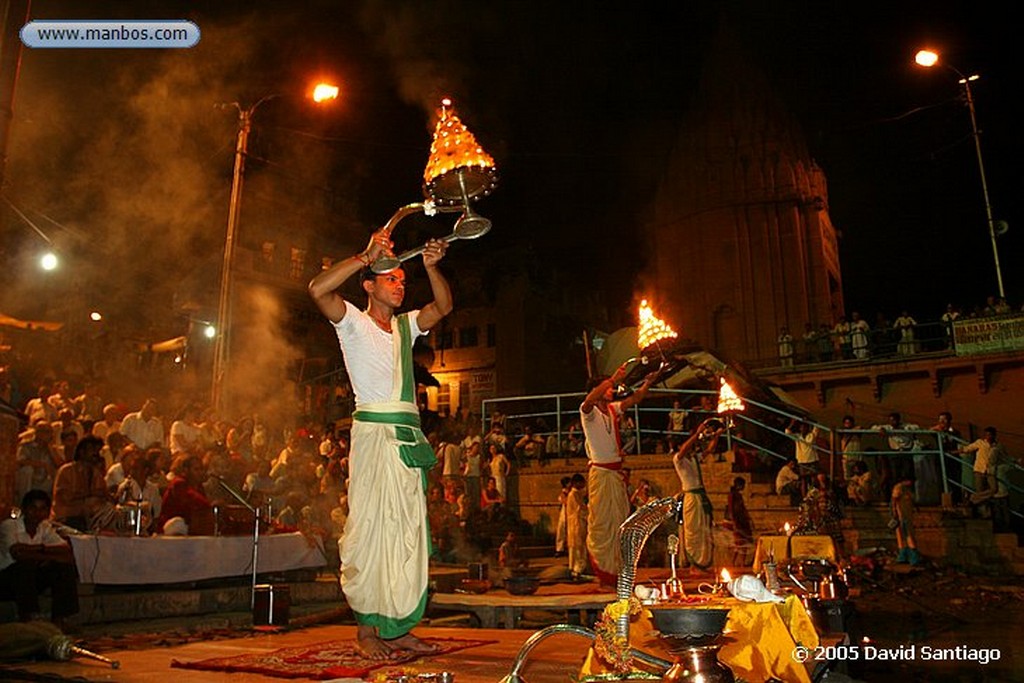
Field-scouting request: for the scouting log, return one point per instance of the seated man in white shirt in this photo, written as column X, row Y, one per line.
column 33, row 557
column 787, row 482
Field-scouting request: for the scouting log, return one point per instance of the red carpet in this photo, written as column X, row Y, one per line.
column 320, row 661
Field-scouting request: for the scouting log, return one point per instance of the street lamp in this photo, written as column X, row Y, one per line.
column 930, row 58
column 49, row 261
column 222, row 342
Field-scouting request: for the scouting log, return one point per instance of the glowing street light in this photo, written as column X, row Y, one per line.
column 49, row 261
column 209, row 331
column 930, row 58
column 95, row 316
column 324, row 91
column 221, row 347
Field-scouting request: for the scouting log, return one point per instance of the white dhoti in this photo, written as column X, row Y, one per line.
column 608, row 509
column 386, row 543
column 698, row 542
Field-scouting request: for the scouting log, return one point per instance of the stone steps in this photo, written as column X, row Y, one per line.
column 942, row 535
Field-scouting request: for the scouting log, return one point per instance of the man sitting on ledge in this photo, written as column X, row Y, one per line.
column 32, row 558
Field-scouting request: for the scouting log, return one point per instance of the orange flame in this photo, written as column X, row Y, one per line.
column 726, row 576
column 454, row 148
column 652, row 328
column 728, row 400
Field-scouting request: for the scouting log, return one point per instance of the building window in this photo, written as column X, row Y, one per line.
column 467, row 337
column 298, row 264
column 492, row 334
column 266, row 262
column 444, row 400
column 444, row 340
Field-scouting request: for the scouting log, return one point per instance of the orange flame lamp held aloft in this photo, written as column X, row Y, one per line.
column 728, row 401
column 652, row 329
column 458, row 169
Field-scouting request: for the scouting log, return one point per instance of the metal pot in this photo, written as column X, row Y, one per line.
column 833, row 588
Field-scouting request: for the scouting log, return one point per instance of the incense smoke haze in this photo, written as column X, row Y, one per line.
column 125, row 162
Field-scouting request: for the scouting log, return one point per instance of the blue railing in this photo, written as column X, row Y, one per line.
column 761, row 429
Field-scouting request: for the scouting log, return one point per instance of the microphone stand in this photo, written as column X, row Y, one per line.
column 255, row 532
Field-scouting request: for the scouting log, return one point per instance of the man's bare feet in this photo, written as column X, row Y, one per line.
column 411, row 643
column 371, row 644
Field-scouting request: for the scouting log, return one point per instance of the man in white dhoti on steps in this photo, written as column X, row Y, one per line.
column 606, row 481
column 386, row 541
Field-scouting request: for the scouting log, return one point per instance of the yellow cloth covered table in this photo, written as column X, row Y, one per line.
column 762, row 639
column 793, row 547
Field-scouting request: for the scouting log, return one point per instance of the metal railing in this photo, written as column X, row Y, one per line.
column 761, row 429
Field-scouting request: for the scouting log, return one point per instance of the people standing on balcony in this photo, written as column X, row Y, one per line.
column 882, row 336
column 787, row 349
column 841, row 335
column 905, row 325
column 385, row 547
column 860, row 337
column 695, row 533
column 601, row 417
column 810, row 344
column 948, row 319
column 826, row 346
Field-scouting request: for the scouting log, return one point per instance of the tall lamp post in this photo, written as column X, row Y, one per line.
column 930, row 58
column 222, row 341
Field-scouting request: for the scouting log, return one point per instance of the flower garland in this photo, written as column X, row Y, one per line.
column 610, row 647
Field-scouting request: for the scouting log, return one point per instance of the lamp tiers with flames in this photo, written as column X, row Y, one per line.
column 652, row 333
column 458, row 169
column 729, row 402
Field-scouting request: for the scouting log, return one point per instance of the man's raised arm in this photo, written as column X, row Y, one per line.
column 441, row 306
column 324, row 287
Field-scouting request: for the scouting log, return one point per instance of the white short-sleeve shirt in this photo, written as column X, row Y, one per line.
column 369, row 357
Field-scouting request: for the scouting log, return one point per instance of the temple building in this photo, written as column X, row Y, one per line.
column 740, row 242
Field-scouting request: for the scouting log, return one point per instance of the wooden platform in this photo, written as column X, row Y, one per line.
column 579, row 606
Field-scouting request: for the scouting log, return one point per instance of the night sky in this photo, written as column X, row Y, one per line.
column 579, row 105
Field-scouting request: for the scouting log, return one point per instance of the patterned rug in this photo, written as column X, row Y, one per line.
column 321, row 661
